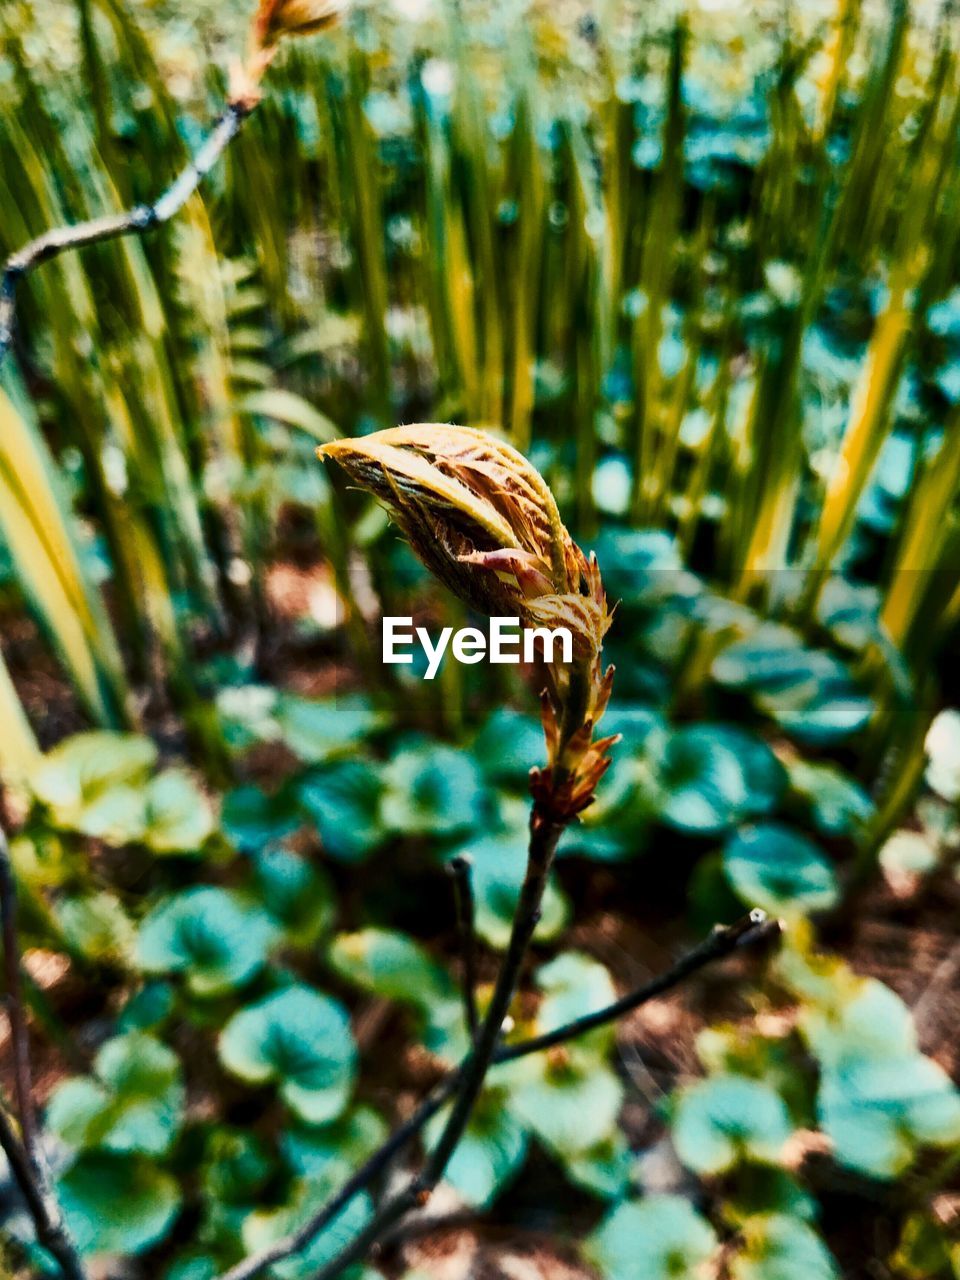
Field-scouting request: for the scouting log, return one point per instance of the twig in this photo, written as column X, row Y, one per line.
column 752, row 930
column 545, row 835
column 748, row 931
column 363, row 1177
column 132, row 222
column 25, row 1158
column 418, row 1191
column 464, row 1083
column 51, row 1230
column 23, row 1085
column 461, row 869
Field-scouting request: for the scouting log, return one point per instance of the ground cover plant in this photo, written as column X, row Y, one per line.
column 293, row 985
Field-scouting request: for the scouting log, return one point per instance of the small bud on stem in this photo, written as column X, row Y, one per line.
column 273, row 20
column 484, row 522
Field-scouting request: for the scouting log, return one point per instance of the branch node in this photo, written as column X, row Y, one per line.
column 142, row 217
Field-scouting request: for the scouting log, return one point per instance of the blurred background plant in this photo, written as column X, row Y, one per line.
column 701, row 263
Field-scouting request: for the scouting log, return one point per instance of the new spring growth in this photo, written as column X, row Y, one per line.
column 273, row 20
column 278, row 18
column 484, row 522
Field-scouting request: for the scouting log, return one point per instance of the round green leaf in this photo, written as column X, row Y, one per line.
column 432, row 790
column 574, row 986
column 302, row 1041
column 117, row 1204
column 95, row 783
column 570, row 1101
column 97, row 926
column 712, row 776
column 772, row 867
column 390, row 964
column 808, row 691
column 771, row 657
column 294, row 893
column 208, row 935
column 657, row 1238
column 316, row 730
column 871, row 1022
column 342, row 800
column 179, row 818
column 508, row 746
column 117, row 816
column 837, row 710
column 252, row 819
column 780, row 1247
column 877, row 1111
column 133, row 1103
column 838, row 805
column 725, row 1119
column 82, row 768
column 604, row 1170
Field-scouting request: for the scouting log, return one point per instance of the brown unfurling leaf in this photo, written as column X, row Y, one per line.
column 277, row 18
column 484, row 522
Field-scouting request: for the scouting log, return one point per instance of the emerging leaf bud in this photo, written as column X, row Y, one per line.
column 484, row 522
column 278, row 18
column 273, row 20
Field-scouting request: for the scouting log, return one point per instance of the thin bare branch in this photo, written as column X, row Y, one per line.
column 23, row 1154
column 461, row 869
column 545, row 833
column 132, row 222
column 362, row 1178
column 51, row 1230
column 752, row 930
column 463, row 1085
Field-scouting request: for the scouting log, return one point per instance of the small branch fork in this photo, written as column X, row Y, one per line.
column 133, row 222
column 753, row 930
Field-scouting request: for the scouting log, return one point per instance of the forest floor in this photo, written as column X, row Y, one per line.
column 634, row 927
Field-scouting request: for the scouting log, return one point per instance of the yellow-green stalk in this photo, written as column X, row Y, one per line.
column 19, row 752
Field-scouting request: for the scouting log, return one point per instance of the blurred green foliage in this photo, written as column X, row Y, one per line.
column 703, row 266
